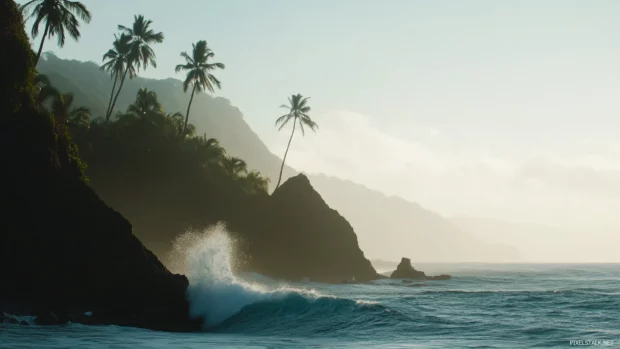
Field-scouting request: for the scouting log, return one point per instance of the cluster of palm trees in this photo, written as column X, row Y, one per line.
column 146, row 134
column 131, row 51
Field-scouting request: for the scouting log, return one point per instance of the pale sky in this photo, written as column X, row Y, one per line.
column 502, row 109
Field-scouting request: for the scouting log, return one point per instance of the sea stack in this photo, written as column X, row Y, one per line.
column 404, row 270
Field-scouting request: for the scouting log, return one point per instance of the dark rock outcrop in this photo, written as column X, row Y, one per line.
column 404, row 270
column 297, row 235
column 292, row 234
column 62, row 249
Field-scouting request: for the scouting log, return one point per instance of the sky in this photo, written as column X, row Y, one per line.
column 482, row 108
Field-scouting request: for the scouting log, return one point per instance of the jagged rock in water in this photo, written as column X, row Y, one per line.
column 404, row 270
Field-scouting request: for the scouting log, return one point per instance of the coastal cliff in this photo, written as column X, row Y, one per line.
column 64, row 254
column 291, row 234
column 297, row 235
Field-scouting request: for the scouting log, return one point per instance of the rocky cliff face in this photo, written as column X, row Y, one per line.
column 62, row 249
column 292, row 234
column 299, row 235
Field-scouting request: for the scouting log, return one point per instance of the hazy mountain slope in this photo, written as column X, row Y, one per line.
column 387, row 228
column 546, row 243
column 391, row 226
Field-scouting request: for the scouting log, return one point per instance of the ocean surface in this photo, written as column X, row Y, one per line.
column 483, row 306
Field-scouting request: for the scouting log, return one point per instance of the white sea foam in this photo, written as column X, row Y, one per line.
column 215, row 292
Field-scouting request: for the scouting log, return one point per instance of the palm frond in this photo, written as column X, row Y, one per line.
column 78, row 8
column 198, row 68
column 282, row 118
column 298, row 110
column 285, row 122
column 35, row 26
column 26, row 8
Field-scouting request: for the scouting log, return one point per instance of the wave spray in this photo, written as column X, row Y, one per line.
column 215, row 292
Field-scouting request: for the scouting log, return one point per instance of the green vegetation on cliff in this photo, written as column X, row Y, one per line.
column 63, row 251
column 150, row 165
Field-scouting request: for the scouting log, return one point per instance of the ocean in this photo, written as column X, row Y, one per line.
column 482, row 306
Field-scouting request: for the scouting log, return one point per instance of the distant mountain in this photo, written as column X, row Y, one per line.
column 387, row 227
column 547, row 243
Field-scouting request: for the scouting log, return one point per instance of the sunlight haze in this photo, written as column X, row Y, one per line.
column 501, row 116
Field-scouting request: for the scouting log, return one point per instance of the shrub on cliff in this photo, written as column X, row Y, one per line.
column 147, row 144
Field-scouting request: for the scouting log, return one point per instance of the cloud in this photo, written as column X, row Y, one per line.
column 569, row 183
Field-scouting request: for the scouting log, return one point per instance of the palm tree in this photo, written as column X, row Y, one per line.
column 140, row 53
column 254, row 182
column 59, row 16
column 146, row 104
column 44, row 90
column 115, row 62
column 210, row 149
column 234, row 166
column 298, row 112
column 64, row 113
column 198, row 72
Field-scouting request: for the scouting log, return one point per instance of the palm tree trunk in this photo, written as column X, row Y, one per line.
column 111, row 97
column 47, row 28
column 188, row 106
column 117, row 93
column 286, row 153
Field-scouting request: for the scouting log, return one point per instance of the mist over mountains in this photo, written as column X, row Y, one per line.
column 387, row 227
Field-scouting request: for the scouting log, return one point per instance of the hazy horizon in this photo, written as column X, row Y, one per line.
column 502, row 111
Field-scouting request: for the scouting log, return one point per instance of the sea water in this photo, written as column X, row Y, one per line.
column 482, row 306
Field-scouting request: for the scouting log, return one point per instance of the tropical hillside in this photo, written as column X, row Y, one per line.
column 421, row 234
column 108, row 91
column 63, row 251
column 147, row 161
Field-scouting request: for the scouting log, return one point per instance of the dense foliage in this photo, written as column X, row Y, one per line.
column 145, row 141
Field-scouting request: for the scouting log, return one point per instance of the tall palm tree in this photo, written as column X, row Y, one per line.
column 140, row 53
column 59, row 17
column 115, row 62
column 198, row 72
column 298, row 112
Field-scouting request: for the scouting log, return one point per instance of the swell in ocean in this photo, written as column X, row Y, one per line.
column 547, row 304
column 254, row 303
column 483, row 306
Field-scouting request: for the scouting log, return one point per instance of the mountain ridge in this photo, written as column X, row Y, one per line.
column 404, row 227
